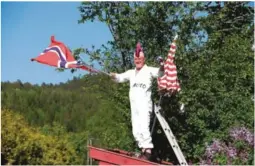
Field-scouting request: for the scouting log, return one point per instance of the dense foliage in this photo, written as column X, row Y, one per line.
column 78, row 113
column 215, row 66
column 22, row 144
column 237, row 150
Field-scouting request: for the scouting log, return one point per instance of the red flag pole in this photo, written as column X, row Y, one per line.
column 93, row 69
column 100, row 71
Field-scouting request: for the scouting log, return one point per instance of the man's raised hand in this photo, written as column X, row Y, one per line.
column 113, row 75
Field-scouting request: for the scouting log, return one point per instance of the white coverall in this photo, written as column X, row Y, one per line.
column 140, row 102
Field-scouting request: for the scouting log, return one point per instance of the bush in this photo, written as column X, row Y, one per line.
column 237, row 150
column 22, row 144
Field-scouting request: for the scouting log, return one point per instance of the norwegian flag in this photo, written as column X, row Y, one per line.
column 59, row 55
column 169, row 82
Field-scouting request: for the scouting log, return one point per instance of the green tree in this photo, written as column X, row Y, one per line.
column 215, row 66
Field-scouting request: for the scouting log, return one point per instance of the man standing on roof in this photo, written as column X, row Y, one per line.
column 140, row 80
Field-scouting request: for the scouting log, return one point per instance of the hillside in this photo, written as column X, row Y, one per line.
column 95, row 108
column 80, row 108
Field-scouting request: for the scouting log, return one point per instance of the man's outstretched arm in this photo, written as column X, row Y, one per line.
column 123, row 77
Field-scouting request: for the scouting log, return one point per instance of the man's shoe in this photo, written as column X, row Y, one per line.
column 145, row 156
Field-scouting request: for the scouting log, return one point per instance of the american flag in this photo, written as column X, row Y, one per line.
column 169, row 81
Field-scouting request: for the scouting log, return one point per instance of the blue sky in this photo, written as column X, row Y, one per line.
column 25, row 33
column 26, row 28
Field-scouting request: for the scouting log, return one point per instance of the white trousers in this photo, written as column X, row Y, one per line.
column 140, row 115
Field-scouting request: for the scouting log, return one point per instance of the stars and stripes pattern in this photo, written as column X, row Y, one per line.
column 169, row 81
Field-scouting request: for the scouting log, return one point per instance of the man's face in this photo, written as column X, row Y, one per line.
column 139, row 61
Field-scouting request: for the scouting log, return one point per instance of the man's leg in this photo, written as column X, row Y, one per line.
column 145, row 135
column 135, row 124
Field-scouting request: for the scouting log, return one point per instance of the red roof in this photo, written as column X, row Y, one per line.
column 118, row 157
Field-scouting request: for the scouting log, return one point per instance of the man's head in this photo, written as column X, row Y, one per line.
column 139, row 58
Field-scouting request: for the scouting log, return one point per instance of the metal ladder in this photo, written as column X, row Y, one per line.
column 169, row 134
